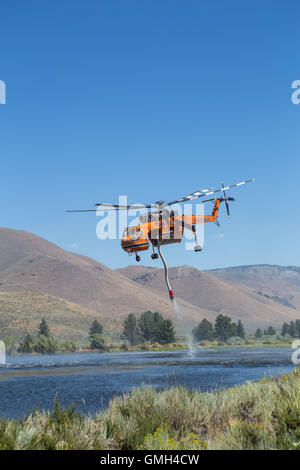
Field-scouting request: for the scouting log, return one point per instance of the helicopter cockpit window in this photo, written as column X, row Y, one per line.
column 133, row 232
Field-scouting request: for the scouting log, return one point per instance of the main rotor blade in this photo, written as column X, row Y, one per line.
column 209, row 200
column 197, row 194
column 207, row 192
column 213, row 199
column 94, row 210
column 128, row 207
column 83, row 210
column 111, row 207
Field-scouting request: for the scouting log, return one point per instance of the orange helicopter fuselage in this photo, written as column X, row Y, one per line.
column 163, row 228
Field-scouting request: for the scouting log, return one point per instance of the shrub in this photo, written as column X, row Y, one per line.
column 164, row 439
column 68, row 346
column 155, row 345
column 257, row 415
column 45, row 345
column 236, row 341
column 27, row 346
column 145, row 346
column 177, row 345
column 204, row 331
column 100, row 342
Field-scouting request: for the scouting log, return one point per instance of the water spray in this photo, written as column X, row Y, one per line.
column 175, row 304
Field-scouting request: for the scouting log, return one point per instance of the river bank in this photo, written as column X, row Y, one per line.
column 216, row 345
column 261, row 415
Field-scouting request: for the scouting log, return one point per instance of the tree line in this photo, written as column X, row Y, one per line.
column 148, row 327
column 292, row 329
column 44, row 342
column 223, row 329
column 270, row 331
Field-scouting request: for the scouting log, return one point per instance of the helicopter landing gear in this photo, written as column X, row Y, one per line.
column 154, row 255
column 137, row 258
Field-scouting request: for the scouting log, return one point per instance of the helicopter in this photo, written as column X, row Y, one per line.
column 163, row 226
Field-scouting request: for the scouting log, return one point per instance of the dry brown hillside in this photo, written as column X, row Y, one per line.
column 21, row 313
column 78, row 288
column 216, row 295
column 280, row 283
column 32, row 264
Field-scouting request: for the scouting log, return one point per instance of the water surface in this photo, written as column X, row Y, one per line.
column 91, row 379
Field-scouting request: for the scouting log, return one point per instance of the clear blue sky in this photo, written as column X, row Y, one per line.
column 152, row 99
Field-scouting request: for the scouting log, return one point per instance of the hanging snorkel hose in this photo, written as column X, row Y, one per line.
column 171, row 293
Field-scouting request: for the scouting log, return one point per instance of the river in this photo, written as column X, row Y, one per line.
column 92, row 379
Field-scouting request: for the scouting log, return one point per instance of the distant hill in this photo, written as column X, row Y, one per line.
column 281, row 283
column 31, row 264
column 39, row 279
column 208, row 290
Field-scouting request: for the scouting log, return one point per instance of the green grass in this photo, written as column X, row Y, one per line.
column 260, row 415
column 249, row 342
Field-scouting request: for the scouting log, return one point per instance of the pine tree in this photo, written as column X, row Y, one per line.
column 224, row 328
column 204, row 331
column 95, row 329
column 233, row 330
column 165, row 333
column 147, row 324
column 258, row 333
column 285, row 329
column 240, row 330
column 297, row 326
column 130, row 329
column 293, row 331
column 153, row 327
column 271, row 331
column 44, row 329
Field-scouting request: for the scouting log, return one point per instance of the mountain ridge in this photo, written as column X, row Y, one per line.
column 31, row 264
column 216, row 296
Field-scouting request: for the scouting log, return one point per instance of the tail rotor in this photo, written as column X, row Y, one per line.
column 226, row 199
